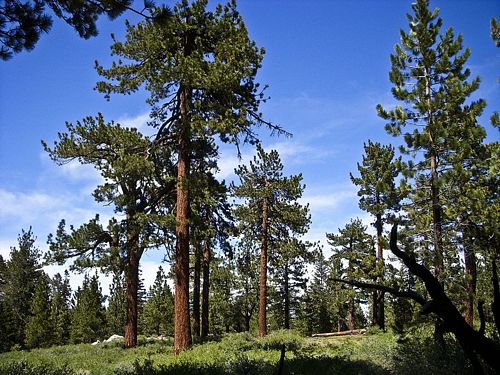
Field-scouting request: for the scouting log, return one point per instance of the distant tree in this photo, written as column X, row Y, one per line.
column 380, row 197
column 88, row 322
column 60, row 304
column 137, row 183
column 116, row 313
column 21, row 277
column 6, row 326
column 354, row 247
column 289, row 266
column 270, row 213
column 246, row 284
column 39, row 325
column 158, row 317
column 318, row 298
column 204, row 83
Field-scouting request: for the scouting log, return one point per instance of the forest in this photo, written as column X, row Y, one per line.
column 243, row 289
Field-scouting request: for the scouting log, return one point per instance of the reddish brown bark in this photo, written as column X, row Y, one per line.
column 263, row 272
column 196, row 290
column 182, row 339
column 206, row 290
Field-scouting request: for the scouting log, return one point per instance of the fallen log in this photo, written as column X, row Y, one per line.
column 341, row 333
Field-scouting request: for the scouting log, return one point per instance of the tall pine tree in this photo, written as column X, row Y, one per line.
column 204, row 83
column 270, row 213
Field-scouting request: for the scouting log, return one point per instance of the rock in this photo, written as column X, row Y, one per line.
column 95, row 343
column 114, row 337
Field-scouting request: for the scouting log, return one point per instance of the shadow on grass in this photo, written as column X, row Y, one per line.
column 246, row 366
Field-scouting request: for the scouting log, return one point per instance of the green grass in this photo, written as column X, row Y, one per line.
column 241, row 353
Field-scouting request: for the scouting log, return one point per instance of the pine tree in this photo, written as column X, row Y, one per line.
column 318, row 298
column 158, row 314
column 137, row 183
column 289, row 265
column 39, row 325
column 429, row 76
column 6, row 327
column 380, row 197
column 355, row 247
column 21, row 277
column 88, row 322
column 116, row 313
column 60, row 314
column 270, row 213
column 203, row 84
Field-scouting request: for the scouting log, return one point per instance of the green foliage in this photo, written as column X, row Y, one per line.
column 116, row 313
column 158, row 312
column 208, row 53
column 60, row 314
column 22, row 23
column 242, row 353
column 88, row 318
column 39, row 326
column 20, row 277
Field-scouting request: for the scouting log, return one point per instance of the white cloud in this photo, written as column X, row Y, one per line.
column 140, row 122
column 328, row 201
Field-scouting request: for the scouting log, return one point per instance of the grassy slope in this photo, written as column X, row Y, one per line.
column 244, row 354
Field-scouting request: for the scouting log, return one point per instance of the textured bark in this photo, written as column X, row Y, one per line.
column 182, row 339
column 263, row 272
column 132, row 285
column 470, row 282
column 205, row 290
column 287, row 300
column 196, row 290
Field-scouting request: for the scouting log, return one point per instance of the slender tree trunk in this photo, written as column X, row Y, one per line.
column 132, row 284
column 182, row 334
column 495, row 306
column 196, row 290
column 287, row 300
column 263, row 272
column 470, row 281
column 205, row 290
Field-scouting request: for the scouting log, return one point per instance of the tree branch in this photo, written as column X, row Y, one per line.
column 398, row 293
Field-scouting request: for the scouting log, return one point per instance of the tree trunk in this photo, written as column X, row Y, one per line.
column 182, row 339
column 287, row 300
column 263, row 272
column 132, row 284
column 470, row 281
column 205, row 290
column 196, row 290
column 472, row 342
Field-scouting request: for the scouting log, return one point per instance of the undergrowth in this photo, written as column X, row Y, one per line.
column 242, row 353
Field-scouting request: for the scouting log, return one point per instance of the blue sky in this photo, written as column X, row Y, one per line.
column 327, row 64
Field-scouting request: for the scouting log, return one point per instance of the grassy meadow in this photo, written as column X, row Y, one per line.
column 242, row 353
